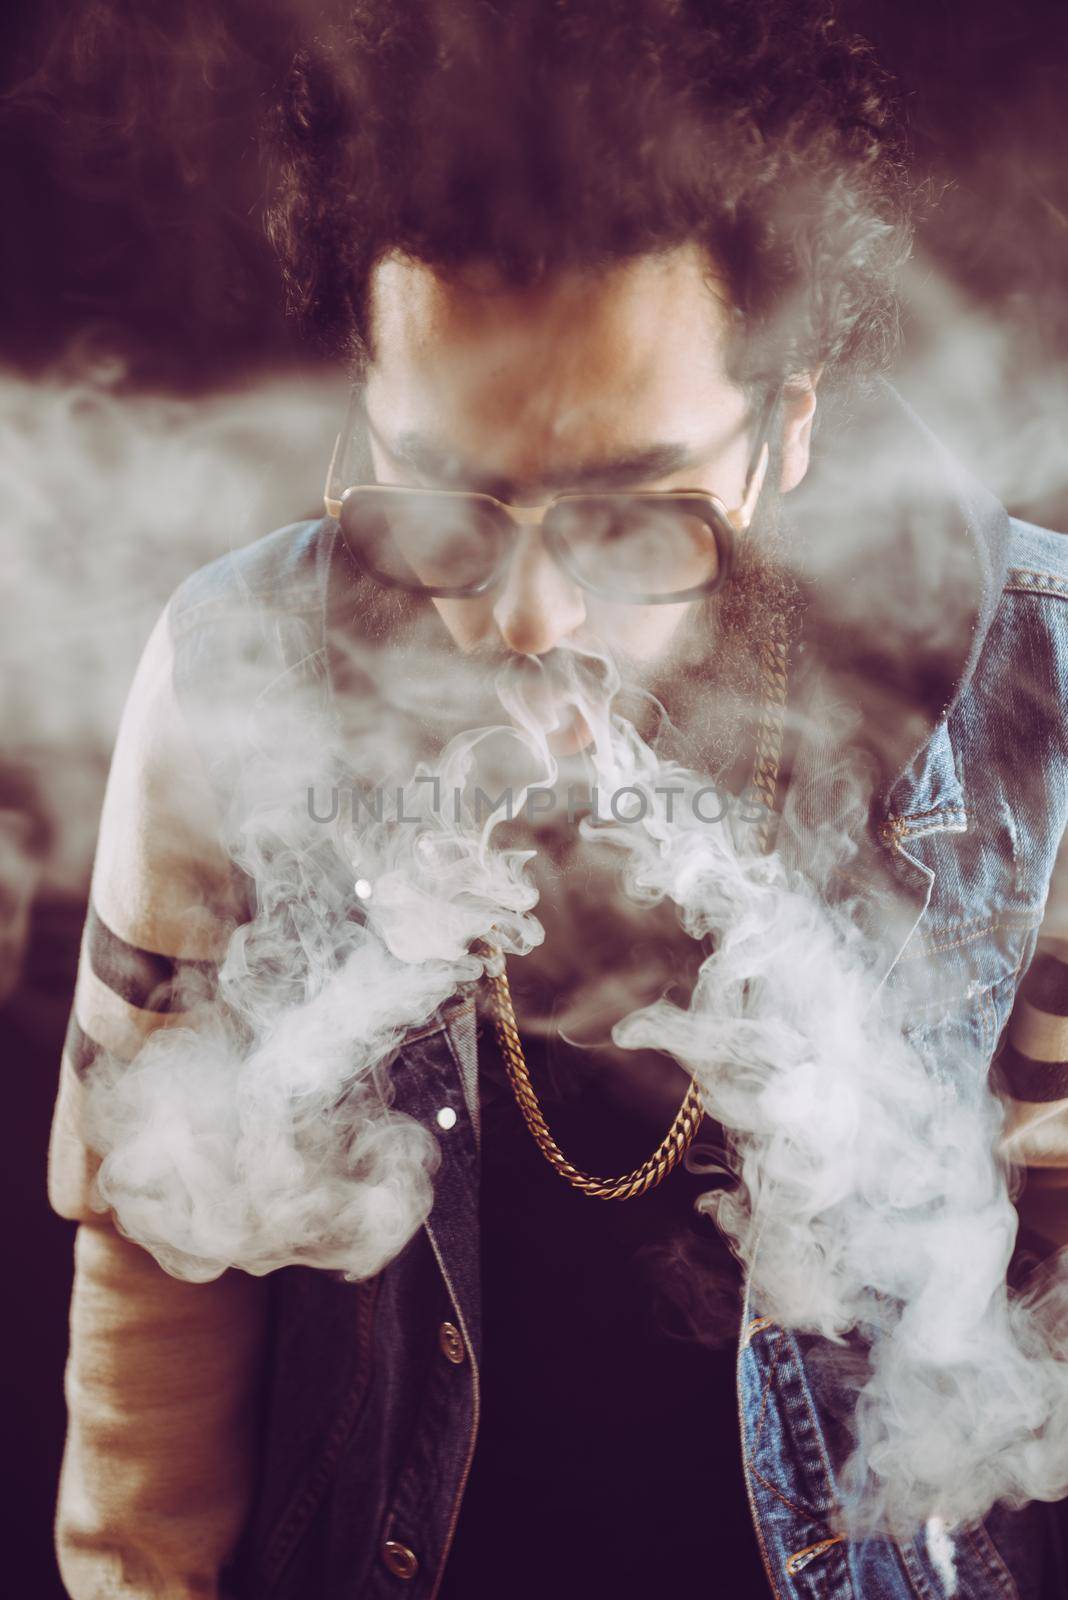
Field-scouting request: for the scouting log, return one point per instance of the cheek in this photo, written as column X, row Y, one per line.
column 642, row 633
column 470, row 622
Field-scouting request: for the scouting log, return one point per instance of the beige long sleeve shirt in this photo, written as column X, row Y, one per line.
column 162, row 1373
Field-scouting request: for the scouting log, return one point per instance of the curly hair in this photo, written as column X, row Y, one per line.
column 543, row 134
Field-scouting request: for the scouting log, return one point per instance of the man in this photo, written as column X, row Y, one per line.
column 582, row 564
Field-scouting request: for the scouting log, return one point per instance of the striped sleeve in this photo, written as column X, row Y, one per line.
column 1033, row 1079
column 161, row 1374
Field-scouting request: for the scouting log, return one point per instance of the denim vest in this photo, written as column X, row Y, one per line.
column 370, row 1405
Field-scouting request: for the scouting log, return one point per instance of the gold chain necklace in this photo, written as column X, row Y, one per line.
column 675, row 1143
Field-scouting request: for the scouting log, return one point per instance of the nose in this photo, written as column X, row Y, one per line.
column 538, row 605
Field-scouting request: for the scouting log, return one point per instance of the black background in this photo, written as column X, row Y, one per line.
column 131, row 222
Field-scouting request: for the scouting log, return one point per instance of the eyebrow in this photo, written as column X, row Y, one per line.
column 648, row 464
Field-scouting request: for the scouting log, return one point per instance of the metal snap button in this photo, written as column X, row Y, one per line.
column 446, row 1118
column 452, row 1345
column 402, row 1562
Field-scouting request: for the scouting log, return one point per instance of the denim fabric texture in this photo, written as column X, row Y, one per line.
column 368, row 1425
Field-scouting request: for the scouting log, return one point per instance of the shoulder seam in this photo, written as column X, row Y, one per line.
column 1025, row 580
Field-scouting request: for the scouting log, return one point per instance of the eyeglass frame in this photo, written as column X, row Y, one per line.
column 709, row 507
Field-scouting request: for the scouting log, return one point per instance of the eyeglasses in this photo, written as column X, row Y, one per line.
column 647, row 547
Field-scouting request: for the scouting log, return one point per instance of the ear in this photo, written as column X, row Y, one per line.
column 798, row 411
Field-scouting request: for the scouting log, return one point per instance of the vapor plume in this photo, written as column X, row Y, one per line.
column 110, row 498
column 871, row 1199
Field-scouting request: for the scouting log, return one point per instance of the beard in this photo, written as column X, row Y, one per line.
column 699, row 703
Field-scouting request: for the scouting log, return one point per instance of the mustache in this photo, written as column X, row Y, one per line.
column 588, row 675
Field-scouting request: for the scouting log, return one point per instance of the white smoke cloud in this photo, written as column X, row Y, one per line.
column 871, row 1193
column 995, row 396
column 110, row 499
column 871, row 1197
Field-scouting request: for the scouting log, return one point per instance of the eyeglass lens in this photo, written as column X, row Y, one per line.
column 427, row 541
column 634, row 546
column 624, row 545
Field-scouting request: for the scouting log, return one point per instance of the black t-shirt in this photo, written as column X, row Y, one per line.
column 608, row 1460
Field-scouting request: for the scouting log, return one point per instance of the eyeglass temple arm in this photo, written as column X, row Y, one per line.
column 331, row 503
column 767, row 417
column 331, row 498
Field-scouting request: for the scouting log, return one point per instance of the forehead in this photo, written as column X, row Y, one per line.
column 524, row 379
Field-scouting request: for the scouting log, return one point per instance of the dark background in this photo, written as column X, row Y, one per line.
column 131, row 223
